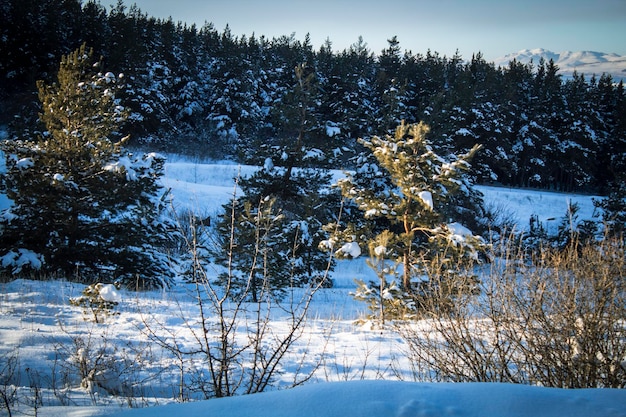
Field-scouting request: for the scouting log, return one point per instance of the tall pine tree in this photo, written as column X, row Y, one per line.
column 82, row 205
column 299, row 194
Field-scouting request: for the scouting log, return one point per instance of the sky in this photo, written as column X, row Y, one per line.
column 493, row 27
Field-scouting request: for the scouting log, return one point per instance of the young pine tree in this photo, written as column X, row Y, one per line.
column 298, row 192
column 254, row 250
column 614, row 206
column 82, row 205
column 412, row 197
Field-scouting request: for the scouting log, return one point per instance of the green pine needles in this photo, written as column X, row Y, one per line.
column 412, row 203
column 83, row 207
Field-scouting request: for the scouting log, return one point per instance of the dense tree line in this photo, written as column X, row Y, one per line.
column 206, row 91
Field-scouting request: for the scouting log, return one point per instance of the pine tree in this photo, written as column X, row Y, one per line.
column 613, row 207
column 390, row 88
column 349, row 95
column 254, row 250
column 298, row 192
column 575, row 151
column 415, row 196
column 83, row 206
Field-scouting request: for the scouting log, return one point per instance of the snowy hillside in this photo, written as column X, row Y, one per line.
column 584, row 62
column 362, row 374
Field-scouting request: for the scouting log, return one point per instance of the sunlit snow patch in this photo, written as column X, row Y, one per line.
column 109, row 293
column 351, row 248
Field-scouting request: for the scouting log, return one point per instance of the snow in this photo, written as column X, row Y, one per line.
column 402, row 399
column 332, row 130
column 458, row 233
column 123, row 165
column 359, row 377
column 546, row 206
column 427, row 199
column 371, row 213
column 108, row 292
column 109, row 77
column 25, row 163
column 352, row 249
column 314, row 154
column 463, row 132
column 20, row 259
column 380, row 251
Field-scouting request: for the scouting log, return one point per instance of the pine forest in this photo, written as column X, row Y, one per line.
column 206, row 92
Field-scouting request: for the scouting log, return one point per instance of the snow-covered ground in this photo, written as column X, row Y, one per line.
column 51, row 343
column 203, row 188
column 404, row 399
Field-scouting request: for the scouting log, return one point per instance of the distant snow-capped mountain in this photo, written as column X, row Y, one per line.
column 584, row 62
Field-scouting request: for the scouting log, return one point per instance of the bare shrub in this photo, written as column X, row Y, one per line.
column 554, row 319
column 231, row 345
column 500, row 217
column 190, row 227
column 9, row 380
column 90, row 359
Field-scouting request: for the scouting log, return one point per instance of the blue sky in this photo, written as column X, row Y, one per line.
column 493, row 27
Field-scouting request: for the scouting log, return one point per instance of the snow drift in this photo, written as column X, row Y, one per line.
column 405, row 399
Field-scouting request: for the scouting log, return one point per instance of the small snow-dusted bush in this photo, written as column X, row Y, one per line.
column 98, row 300
column 90, row 358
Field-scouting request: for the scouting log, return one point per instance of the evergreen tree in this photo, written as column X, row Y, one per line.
column 83, row 206
column 253, row 248
column 538, row 137
column 298, row 191
column 612, row 154
column 613, row 207
column 517, row 98
column 390, row 87
column 307, row 205
column 206, row 91
column 420, row 206
column 33, row 36
column 348, row 95
column 236, row 106
column 575, row 149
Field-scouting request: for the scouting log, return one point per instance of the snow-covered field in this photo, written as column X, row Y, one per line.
column 51, row 344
